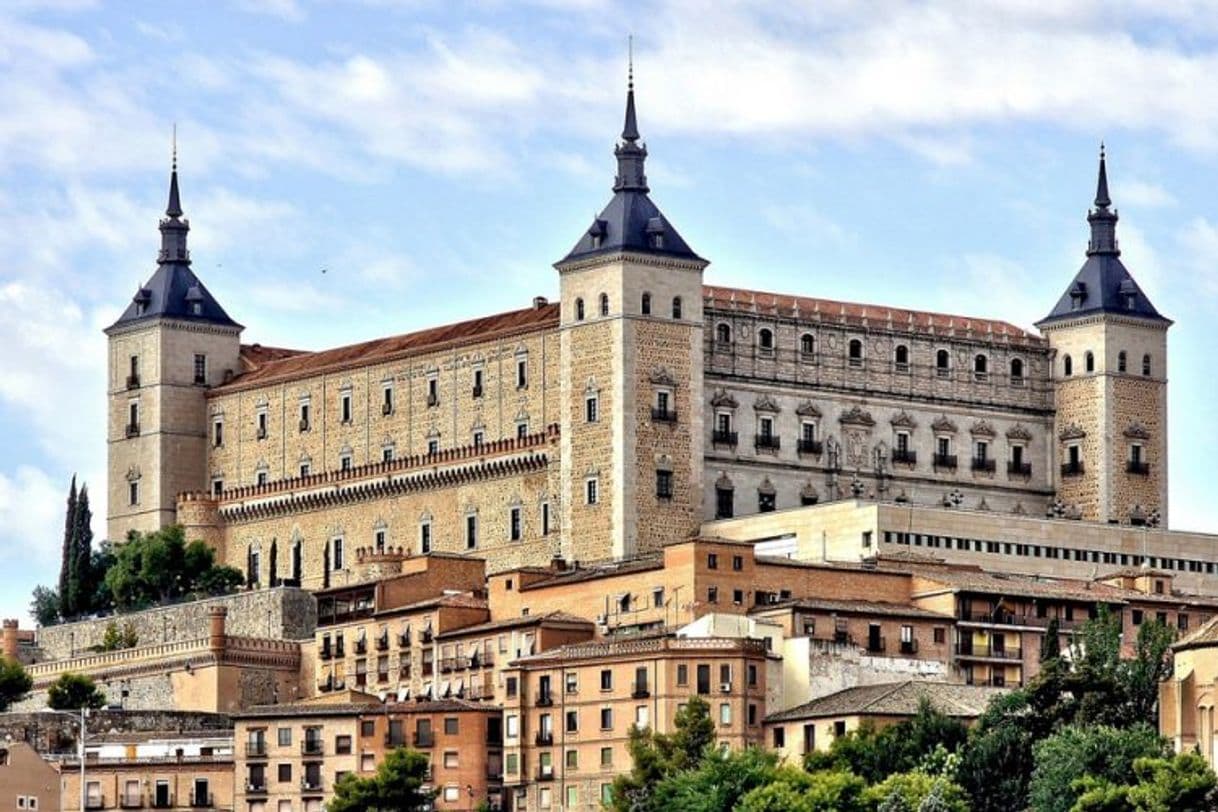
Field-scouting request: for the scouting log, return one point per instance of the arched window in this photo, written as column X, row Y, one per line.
column 723, row 334
column 1122, row 362
column 807, row 344
column 1146, row 366
column 1017, row 369
column 855, row 352
column 901, row 357
column 646, row 304
column 676, row 307
column 604, row 304
column 1067, row 365
column 579, row 309
column 942, row 363
column 1089, row 361
column 981, row 367
column 765, row 338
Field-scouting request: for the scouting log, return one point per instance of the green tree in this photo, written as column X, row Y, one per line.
column 115, row 638
column 655, row 756
column 794, row 790
column 83, row 579
column 916, row 792
column 396, row 787
column 15, row 683
column 1104, row 753
column 158, row 567
column 997, row 764
column 1180, row 783
column 73, row 692
column 1051, row 647
column 67, row 555
column 715, row 784
column 873, row 754
column 44, row 606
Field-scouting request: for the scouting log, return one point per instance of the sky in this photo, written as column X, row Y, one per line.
column 437, row 157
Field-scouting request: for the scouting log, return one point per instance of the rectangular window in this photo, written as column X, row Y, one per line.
column 433, row 447
column 200, row 368
column 336, row 547
column 522, row 430
column 606, row 718
column 572, row 721
column 590, row 491
column 545, row 518
column 425, row 538
column 477, row 383
column 712, row 561
column 305, row 469
column 704, row 684
column 344, row 462
column 712, row 594
column 133, row 418
column 724, row 499
column 514, row 532
column 664, row 485
column 471, row 531
column 387, row 400
column 725, row 713
column 285, row 773
column 344, row 407
column 606, row 680
column 737, row 563
column 217, row 488
column 606, row 756
column 387, row 454
column 433, row 391
column 590, row 408
column 217, row 433
column 284, row 736
column 261, row 425
column 133, row 492
column 682, row 674
column 657, row 597
column 304, row 416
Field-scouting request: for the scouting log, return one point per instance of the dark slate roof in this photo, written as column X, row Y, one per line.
column 1103, row 284
column 174, row 291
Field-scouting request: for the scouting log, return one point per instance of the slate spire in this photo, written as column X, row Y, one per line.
column 631, row 155
column 1102, row 218
column 173, row 228
column 174, row 209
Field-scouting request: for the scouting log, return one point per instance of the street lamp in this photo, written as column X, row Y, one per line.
column 80, row 749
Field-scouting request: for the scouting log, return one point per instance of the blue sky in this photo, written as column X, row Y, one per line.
column 436, row 158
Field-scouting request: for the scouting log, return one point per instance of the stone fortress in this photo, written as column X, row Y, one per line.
column 618, row 418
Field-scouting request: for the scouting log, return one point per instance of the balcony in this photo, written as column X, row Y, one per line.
column 424, row 738
column 382, row 643
column 983, row 464
column 256, row 787
column 95, row 802
column 255, row 748
column 544, row 699
column 403, row 641
column 985, row 652
column 447, row 664
column 133, row 381
column 325, row 653
column 311, row 783
column 544, row 738
column 904, row 456
column 947, row 461
column 202, row 800
column 382, row 676
column 339, row 651
column 133, row 429
column 727, row 438
column 876, row 645
column 1023, row 469
column 640, row 691
column 663, row 415
column 909, row 646
column 1137, row 467
column 813, row 447
column 312, row 747
column 361, row 647
column 767, row 442
column 126, row 801
column 426, row 636
column 545, row 772
column 165, row 802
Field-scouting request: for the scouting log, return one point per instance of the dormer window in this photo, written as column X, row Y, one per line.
column 596, row 233
column 655, row 233
column 1078, row 294
column 1129, row 294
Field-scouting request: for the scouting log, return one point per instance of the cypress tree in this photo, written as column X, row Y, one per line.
column 1051, row 647
column 273, row 575
column 325, row 572
column 68, row 559
column 82, row 566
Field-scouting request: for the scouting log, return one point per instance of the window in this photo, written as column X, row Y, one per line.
column 342, row 745
column 703, row 673
column 514, row 524
column 1089, row 361
column 1067, row 366
column 471, row 531
column 606, row 718
column 676, row 307
column 682, row 674
column 510, row 686
column 591, row 408
column 807, row 344
column 725, row 713
column 737, row 563
column 283, row 736
column 304, row 416
column 424, row 538
column 664, row 485
column 387, row 453
column 606, row 679
column 572, row 721
column 579, row 309
column 200, row 368
column 1146, row 366
column 261, row 422
column 433, row 446
column 712, row 561
column 712, row 594
column 336, row 545
column 344, row 461
column 522, row 429
column 752, row 674
column 604, row 304
column 217, row 433
column 606, row 756
column 765, row 340
column 572, row 762
column 765, row 501
column 1136, row 617
column 723, row 334
column 645, row 305
column 981, row 367
column 1122, row 361
column 133, row 492
column 345, row 407
column 855, row 353
column 387, row 400
column 943, row 363
column 285, row 773
column 657, row 597
column 590, row 491
column 433, row 391
column 939, row 634
column 1016, row 370
column 901, row 358
column 133, row 418
column 512, row 726
column 522, row 373
column 452, row 725
column 738, row 596
column 217, row 487
column 724, row 498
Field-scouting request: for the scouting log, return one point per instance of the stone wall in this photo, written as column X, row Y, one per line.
column 283, row 613
column 48, row 732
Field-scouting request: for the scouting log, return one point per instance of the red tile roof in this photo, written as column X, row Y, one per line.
column 279, row 365
column 853, row 313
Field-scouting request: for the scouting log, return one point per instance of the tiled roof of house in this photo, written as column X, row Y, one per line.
column 894, row 699
column 463, row 600
column 517, row 622
column 1204, row 635
column 288, row 366
column 854, row 607
column 594, row 571
column 1029, row 586
column 856, row 314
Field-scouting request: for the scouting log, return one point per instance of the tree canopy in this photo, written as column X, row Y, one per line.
column 15, row 683
column 397, row 786
column 73, row 692
column 158, row 567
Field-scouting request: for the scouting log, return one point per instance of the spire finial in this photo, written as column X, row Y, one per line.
column 175, row 146
column 1103, row 219
column 630, row 130
column 174, row 209
column 630, row 61
column 1102, row 200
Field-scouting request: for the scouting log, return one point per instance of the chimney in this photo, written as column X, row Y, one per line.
column 215, row 629
column 8, row 643
column 558, row 563
column 539, row 302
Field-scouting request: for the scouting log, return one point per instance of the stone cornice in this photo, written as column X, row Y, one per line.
column 636, row 258
column 185, row 325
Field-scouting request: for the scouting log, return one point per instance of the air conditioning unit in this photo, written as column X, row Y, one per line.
column 725, row 687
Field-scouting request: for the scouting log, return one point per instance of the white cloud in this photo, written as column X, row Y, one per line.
column 807, row 224
column 1199, row 244
column 1147, row 195
column 31, row 528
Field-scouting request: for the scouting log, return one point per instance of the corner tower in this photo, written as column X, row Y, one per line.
column 171, row 343
column 631, row 372
column 1110, row 382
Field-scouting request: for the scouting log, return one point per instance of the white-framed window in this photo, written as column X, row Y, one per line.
column 902, row 442
column 591, row 408
column 217, row 432
column 522, row 371
column 545, row 518
column 336, row 552
column 387, row 398
column 515, row 528
column 344, row 407
column 425, row 537
column 200, row 368
column 217, row 487
column 471, row 530
column 591, row 490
